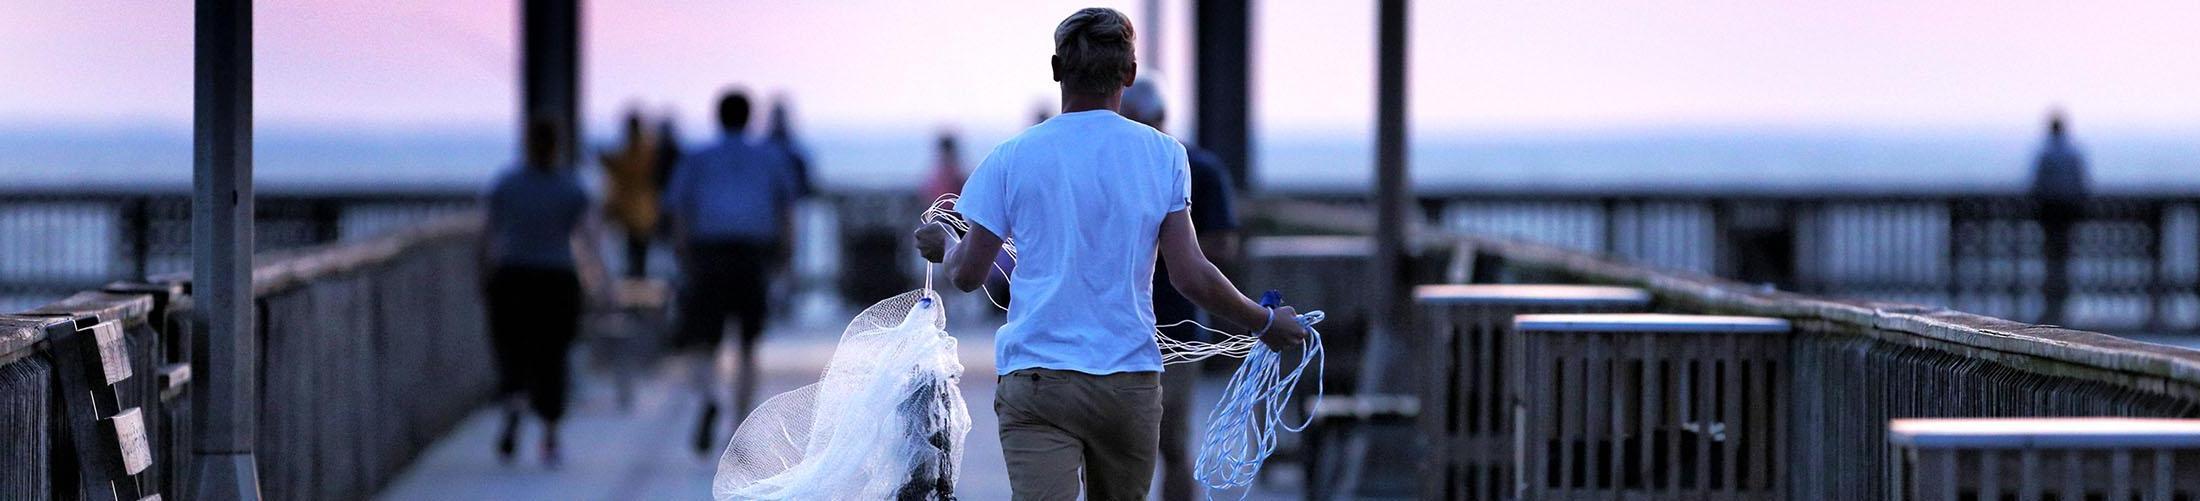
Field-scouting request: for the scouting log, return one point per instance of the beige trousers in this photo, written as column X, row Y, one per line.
column 1060, row 429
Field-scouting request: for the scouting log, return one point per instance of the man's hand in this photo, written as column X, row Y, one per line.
column 932, row 240
column 1285, row 332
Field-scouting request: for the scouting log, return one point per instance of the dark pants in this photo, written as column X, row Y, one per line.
column 723, row 279
column 534, row 315
column 1179, row 383
column 637, row 255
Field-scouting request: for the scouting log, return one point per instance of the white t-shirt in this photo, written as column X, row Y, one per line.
column 1082, row 195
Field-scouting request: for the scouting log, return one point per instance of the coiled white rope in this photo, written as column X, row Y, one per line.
column 1242, row 429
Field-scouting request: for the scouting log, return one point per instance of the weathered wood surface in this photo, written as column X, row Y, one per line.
column 1469, row 411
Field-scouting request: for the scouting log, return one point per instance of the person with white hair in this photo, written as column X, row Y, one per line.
column 1091, row 199
column 1217, row 222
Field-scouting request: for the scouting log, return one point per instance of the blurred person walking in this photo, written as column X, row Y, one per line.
column 781, row 138
column 534, row 229
column 2059, row 188
column 731, row 210
column 781, row 141
column 1216, row 224
column 630, row 175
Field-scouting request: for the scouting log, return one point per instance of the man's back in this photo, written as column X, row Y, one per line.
column 1082, row 196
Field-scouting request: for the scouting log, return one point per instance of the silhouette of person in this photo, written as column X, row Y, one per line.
column 1215, row 219
column 781, row 138
column 630, row 178
column 535, row 212
column 732, row 214
column 2059, row 191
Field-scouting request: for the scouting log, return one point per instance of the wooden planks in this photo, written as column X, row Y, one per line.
column 1470, row 412
column 113, row 454
column 1655, row 407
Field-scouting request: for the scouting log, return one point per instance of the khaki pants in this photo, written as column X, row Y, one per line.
column 1056, row 423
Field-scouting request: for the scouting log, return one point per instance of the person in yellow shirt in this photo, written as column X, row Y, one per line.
column 630, row 175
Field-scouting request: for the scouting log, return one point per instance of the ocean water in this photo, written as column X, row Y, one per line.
column 1701, row 161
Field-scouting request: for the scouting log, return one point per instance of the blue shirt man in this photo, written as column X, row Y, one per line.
column 734, row 191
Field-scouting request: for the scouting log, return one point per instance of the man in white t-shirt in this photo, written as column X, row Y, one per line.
column 1089, row 198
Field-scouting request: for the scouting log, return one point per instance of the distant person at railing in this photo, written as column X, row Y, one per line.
column 1216, row 223
column 630, row 173
column 2059, row 188
column 732, row 216
column 947, row 171
column 534, row 290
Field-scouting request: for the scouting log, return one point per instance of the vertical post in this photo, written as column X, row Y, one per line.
column 1391, row 192
column 1222, row 77
column 550, row 64
column 1392, row 337
column 1149, row 37
column 221, row 250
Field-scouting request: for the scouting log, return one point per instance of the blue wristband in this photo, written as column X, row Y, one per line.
column 1271, row 323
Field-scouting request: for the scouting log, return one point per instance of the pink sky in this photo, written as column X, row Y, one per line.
column 877, row 64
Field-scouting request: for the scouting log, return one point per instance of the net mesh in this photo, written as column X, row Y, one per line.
column 887, row 420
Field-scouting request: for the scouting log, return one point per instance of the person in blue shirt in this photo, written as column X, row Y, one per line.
column 533, row 289
column 731, row 210
column 1090, row 199
column 1217, row 223
column 2059, row 190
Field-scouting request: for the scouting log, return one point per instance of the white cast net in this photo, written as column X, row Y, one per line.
column 887, row 421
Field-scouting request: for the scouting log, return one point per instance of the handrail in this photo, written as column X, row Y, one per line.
column 2116, row 358
column 276, row 273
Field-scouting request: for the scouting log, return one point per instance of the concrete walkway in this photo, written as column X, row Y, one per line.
column 644, row 452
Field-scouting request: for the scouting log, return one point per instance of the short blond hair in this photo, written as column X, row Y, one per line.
column 1096, row 49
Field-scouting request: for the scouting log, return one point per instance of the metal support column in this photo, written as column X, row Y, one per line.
column 1222, row 70
column 1149, row 38
column 550, row 68
column 1392, row 195
column 221, row 254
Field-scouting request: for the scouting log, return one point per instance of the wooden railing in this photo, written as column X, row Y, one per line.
column 1854, row 364
column 369, row 351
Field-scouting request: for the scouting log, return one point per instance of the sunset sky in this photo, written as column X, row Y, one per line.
column 1477, row 66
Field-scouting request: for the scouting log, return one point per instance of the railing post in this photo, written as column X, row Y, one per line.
column 221, row 244
column 2156, row 287
column 1221, row 53
column 139, row 225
